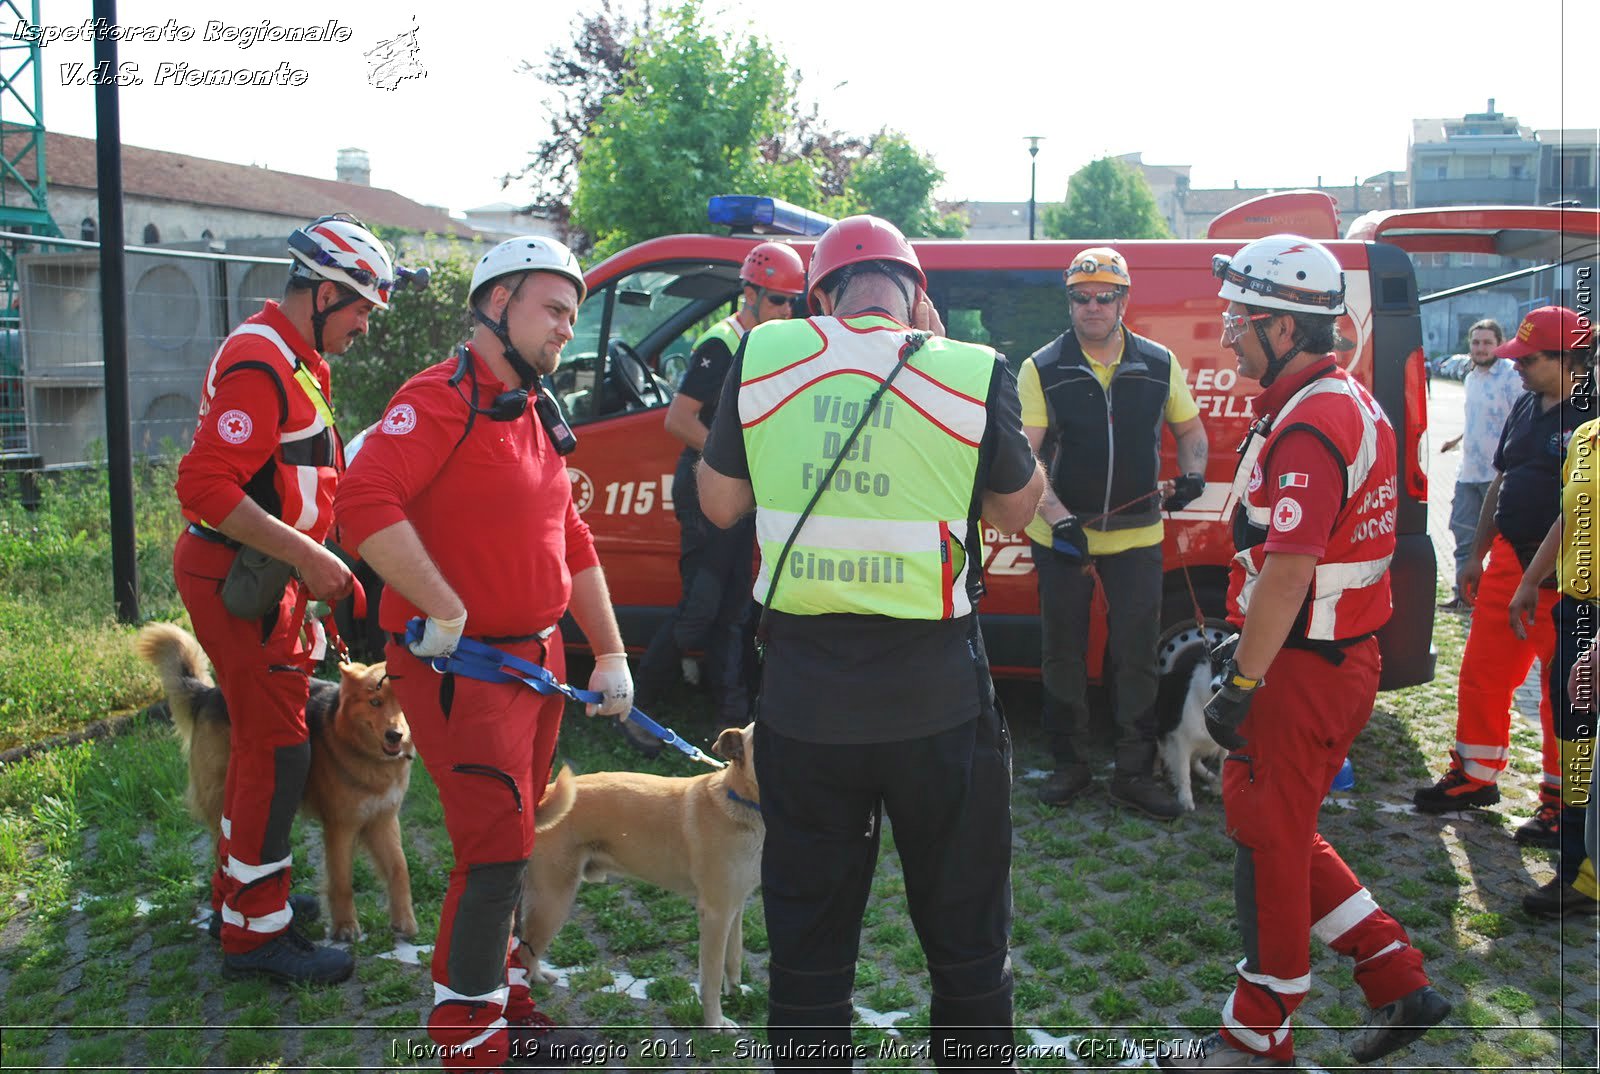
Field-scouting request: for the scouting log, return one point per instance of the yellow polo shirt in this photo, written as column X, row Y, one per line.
column 1180, row 407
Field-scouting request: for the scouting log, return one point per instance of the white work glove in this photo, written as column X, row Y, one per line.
column 439, row 637
column 612, row 679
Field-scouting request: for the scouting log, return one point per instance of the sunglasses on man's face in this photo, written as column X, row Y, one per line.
column 775, row 299
column 1529, row 359
column 1105, row 298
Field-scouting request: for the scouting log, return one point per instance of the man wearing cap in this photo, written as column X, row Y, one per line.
column 713, row 563
column 1094, row 401
column 1568, row 555
column 1492, row 387
column 872, row 450
column 1522, row 502
column 1308, row 590
column 460, row 499
column 259, row 479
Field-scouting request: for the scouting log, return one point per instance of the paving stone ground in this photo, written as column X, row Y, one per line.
column 1123, row 933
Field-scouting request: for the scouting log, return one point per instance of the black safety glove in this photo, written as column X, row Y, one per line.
column 1229, row 705
column 1067, row 538
column 1185, row 490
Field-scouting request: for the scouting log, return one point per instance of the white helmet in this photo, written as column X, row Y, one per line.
column 340, row 249
column 530, row 253
column 1282, row 272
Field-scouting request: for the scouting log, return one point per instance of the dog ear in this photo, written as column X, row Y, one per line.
column 730, row 744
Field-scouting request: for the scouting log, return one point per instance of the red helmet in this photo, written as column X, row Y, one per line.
column 776, row 267
column 856, row 239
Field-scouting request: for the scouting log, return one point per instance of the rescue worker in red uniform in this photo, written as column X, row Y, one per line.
column 1314, row 525
column 261, row 475
column 713, row 563
column 461, row 501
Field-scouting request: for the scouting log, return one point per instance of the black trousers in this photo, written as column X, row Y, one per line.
column 948, row 796
column 1132, row 581
column 713, row 609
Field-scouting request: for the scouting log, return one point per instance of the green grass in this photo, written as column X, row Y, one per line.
column 64, row 660
column 1122, row 928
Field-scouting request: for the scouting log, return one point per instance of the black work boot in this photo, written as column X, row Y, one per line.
column 1145, row 793
column 307, row 908
column 1134, row 786
column 1067, row 782
column 291, row 957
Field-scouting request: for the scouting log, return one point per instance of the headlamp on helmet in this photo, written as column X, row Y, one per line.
column 1282, row 272
column 1099, row 264
column 340, row 249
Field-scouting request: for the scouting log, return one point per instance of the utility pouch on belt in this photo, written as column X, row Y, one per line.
column 254, row 584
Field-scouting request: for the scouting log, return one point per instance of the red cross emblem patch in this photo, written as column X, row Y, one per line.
column 1286, row 514
column 234, row 426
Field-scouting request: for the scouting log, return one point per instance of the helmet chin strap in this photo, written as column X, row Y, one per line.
column 1274, row 364
column 526, row 374
column 319, row 317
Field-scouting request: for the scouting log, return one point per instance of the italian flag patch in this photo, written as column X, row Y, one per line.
column 1292, row 481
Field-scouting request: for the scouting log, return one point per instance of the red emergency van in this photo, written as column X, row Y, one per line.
column 648, row 304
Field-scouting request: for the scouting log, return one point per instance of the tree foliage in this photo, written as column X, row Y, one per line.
column 418, row 329
column 657, row 114
column 1106, row 199
column 895, row 181
column 584, row 76
column 688, row 123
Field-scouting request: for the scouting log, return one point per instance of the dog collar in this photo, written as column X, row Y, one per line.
column 733, row 794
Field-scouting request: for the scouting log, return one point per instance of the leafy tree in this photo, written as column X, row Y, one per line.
column 584, row 75
column 1106, row 199
column 418, row 329
column 895, row 181
column 689, row 122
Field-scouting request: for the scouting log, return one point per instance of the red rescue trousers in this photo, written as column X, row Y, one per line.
column 1289, row 883
column 1493, row 665
column 488, row 747
column 263, row 667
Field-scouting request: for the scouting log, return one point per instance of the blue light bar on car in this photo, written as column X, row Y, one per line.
column 769, row 216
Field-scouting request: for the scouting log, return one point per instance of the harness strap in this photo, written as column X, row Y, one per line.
column 475, row 660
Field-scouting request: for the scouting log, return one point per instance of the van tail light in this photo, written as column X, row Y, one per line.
column 1415, row 445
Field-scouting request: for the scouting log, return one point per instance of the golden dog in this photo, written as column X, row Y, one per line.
column 699, row 836
column 360, row 767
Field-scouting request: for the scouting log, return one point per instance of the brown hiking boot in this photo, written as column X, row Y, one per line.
column 537, row 1043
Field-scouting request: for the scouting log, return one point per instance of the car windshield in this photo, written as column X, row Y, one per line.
column 631, row 344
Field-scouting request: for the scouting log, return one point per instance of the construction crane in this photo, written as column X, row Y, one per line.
column 24, row 199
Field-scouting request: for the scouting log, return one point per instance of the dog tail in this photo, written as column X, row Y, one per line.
column 183, row 668
column 557, row 801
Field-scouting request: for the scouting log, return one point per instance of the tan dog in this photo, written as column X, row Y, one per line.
column 360, row 767
column 699, row 836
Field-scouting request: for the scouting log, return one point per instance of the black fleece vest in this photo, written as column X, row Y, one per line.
column 1103, row 448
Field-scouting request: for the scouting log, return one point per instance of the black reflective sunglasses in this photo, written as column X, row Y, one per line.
column 1105, row 298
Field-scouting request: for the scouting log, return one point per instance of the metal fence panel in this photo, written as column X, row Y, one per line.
column 180, row 307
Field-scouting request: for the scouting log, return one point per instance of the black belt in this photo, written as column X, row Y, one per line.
column 205, row 533
column 1330, row 649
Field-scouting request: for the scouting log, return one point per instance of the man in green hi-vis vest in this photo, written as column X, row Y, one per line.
column 872, row 450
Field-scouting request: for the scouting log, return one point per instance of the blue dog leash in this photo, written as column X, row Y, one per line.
column 476, row 660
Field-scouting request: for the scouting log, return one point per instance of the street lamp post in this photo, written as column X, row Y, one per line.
column 1033, row 176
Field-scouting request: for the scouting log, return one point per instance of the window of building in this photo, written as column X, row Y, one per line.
column 206, row 235
column 1475, row 166
column 152, row 235
column 87, row 230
